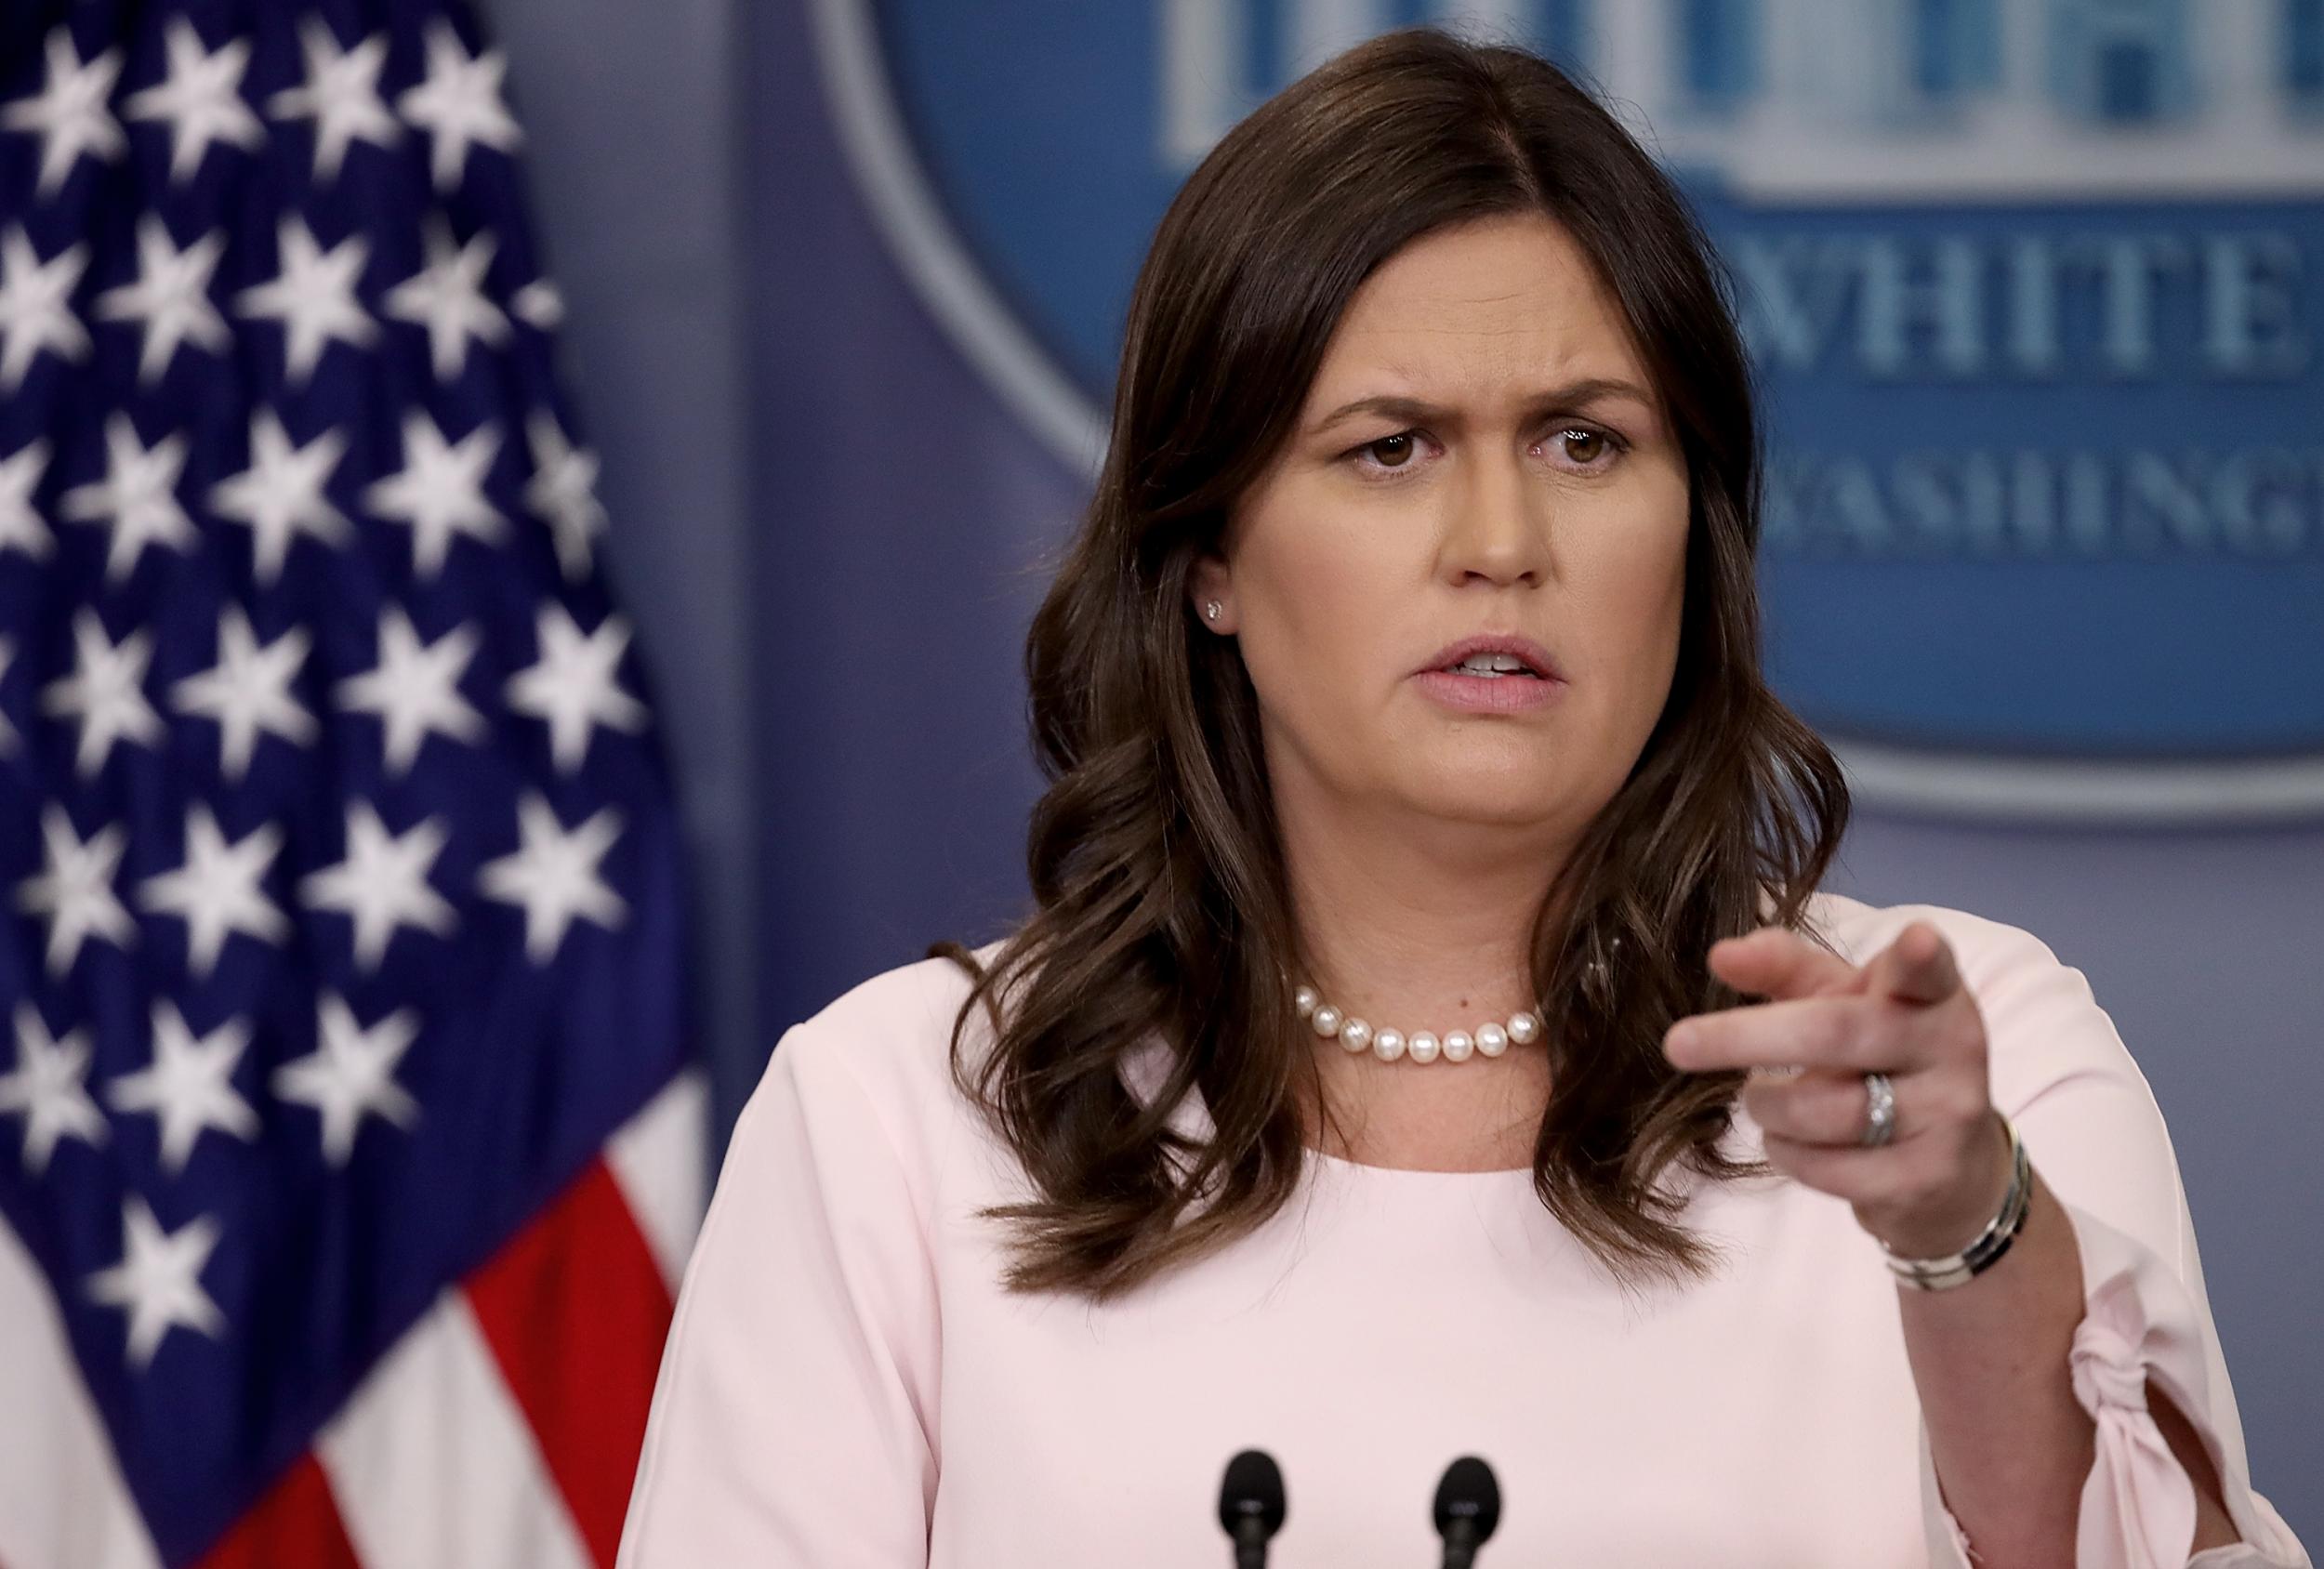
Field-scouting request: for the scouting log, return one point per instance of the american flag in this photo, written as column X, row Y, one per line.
column 348, row 1142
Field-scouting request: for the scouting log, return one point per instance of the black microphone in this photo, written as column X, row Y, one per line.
column 1468, row 1507
column 1250, row 1506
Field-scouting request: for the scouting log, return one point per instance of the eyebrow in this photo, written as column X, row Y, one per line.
column 1417, row 411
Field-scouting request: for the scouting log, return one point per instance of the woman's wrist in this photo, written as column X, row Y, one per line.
column 1943, row 1272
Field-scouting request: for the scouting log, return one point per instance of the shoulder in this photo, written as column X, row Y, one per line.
column 2004, row 966
column 2042, row 1023
column 1986, row 949
column 894, row 1011
column 887, row 1040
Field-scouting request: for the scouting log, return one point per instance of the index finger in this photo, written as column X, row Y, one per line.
column 1775, row 962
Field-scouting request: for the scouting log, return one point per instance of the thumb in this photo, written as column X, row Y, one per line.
column 1918, row 966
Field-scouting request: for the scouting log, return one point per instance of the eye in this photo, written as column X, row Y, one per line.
column 1584, row 447
column 1393, row 456
column 1391, row 451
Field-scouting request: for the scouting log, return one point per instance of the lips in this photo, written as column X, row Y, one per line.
column 1532, row 655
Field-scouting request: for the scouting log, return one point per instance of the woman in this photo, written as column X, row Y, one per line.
column 1377, row 1079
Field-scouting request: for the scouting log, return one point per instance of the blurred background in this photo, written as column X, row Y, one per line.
column 2033, row 290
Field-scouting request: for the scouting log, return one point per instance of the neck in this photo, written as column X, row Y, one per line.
column 1420, row 925
column 1422, row 929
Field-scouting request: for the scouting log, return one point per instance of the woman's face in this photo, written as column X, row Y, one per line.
column 1481, row 455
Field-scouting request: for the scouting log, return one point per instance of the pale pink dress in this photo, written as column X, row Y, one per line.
column 848, row 1387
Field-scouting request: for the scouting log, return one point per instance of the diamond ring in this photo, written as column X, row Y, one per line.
column 1880, row 1111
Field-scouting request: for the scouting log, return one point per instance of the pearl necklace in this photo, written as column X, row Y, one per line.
column 1421, row 1045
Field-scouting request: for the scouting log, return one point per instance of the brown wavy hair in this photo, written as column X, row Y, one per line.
column 1161, row 902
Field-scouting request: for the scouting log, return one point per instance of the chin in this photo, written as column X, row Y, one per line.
column 1501, row 801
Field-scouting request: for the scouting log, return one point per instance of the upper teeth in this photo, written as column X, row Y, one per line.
column 1492, row 665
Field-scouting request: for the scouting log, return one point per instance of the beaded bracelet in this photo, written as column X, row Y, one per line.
column 1959, row 1269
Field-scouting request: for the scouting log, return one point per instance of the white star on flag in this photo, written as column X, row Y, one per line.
column 554, row 876
column 159, row 1280
column 189, row 1088
column 248, row 691
column 459, row 103
column 415, row 689
column 137, row 497
column 171, row 296
column 351, row 1075
column 573, row 687
column 106, row 691
column 539, row 305
column 281, row 494
column 76, row 892
column 446, row 295
column 215, row 889
column 36, row 306
column 49, row 1089
column 201, row 97
column 341, row 95
column 383, row 883
column 562, row 493
column 70, row 114
column 21, row 526
column 440, row 490
column 314, row 295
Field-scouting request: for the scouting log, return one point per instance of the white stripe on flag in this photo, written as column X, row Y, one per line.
column 433, row 1465
column 657, row 1159
column 63, row 1502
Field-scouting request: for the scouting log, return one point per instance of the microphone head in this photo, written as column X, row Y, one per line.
column 1253, row 1491
column 1469, row 1493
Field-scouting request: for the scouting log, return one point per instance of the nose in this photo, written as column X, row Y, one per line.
column 1496, row 526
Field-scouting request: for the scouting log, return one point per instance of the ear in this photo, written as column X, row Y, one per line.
column 1212, row 582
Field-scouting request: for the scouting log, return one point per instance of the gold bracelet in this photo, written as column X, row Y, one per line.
column 1982, row 1253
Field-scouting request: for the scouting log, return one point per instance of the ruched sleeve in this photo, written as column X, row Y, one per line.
column 791, row 1426
column 2096, row 1136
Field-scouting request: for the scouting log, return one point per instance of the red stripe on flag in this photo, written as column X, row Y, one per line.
column 296, row 1522
column 575, row 1310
